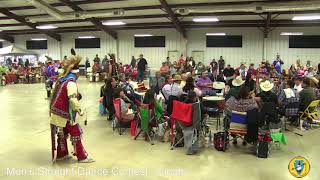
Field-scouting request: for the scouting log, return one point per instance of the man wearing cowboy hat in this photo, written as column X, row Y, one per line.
column 236, row 83
column 268, row 101
column 266, row 94
column 173, row 89
column 64, row 106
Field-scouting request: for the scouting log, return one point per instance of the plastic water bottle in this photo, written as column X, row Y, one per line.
column 210, row 139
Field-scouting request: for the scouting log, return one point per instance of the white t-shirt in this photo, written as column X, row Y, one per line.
column 172, row 90
column 298, row 88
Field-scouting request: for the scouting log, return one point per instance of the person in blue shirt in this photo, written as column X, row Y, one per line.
column 277, row 65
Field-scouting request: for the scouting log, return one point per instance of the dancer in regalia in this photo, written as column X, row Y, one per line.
column 64, row 107
column 50, row 75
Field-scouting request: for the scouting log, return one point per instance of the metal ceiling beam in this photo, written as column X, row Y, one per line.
column 93, row 20
column 178, row 15
column 99, row 25
column 174, row 18
column 166, row 16
column 31, row 25
column 95, row 1
column 62, row 4
column 20, row 32
column 72, row 5
column 137, row 17
column 267, row 26
column 153, row 6
column 6, row 37
column 11, row 25
column 226, row 22
column 186, row 24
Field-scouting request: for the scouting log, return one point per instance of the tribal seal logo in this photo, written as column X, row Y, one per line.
column 299, row 167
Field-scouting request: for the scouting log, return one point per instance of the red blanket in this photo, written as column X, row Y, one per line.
column 10, row 78
column 182, row 112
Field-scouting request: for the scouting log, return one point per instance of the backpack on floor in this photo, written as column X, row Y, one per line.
column 263, row 145
column 220, row 141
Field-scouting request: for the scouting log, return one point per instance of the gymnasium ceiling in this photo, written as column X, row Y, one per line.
column 22, row 16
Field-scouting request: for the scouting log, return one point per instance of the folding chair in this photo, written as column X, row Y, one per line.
column 311, row 112
column 118, row 121
column 214, row 109
column 187, row 117
column 289, row 113
column 145, row 122
column 22, row 79
column 214, row 113
column 238, row 125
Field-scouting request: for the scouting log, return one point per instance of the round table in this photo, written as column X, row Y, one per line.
column 215, row 102
column 213, row 98
column 140, row 93
column 218, row 85
column 218, row 100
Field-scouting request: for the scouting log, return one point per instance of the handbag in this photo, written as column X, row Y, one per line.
column 263, row 145
column 220, row 141
column 102, row 109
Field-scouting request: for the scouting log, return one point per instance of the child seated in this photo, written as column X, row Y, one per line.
column 127, row 114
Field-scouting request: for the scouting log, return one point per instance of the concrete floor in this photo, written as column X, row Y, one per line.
column 25, row 145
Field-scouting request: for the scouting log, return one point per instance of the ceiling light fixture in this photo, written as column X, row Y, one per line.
column 216, row 34
column 211, row 19
column 39, row 39
column 291, row 33
column 143, row 35
column 113, row 23
column 306, row 18
column 46, row 27
column 86, row 37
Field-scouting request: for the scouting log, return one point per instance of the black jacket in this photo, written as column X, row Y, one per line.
column 253, row 121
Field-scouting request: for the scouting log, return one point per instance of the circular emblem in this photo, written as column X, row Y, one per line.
column 299, row 167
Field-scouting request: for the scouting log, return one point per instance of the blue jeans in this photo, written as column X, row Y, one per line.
column 209, row 93
column 140, row 75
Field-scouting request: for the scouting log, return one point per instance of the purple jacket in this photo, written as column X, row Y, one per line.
column 49, row 72
column 201, row 81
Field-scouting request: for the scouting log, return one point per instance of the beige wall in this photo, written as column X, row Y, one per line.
column 255, row 47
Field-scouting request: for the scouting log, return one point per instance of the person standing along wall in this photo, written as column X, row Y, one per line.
column 27, row 63
column 221, row 64
column 133, row 62
column 142, row 66
column 113, row 66
column 277, row 65
column 96, row 59
column 104, row 63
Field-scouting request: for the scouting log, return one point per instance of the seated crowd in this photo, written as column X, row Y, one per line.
column 267, row 91
column 21, row 72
